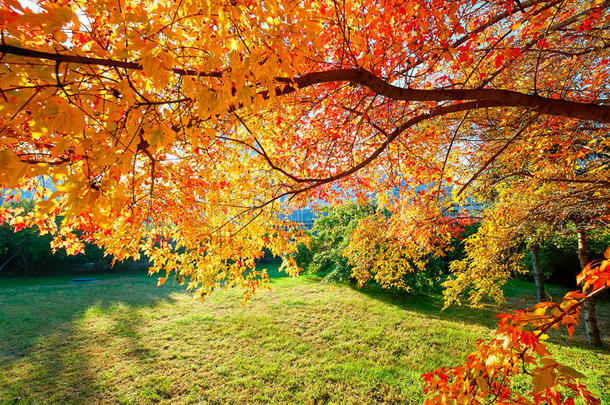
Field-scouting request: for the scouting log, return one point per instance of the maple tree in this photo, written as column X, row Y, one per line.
column 184, row 131
column 187, row 131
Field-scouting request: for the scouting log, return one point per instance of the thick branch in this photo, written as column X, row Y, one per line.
column 543, row 105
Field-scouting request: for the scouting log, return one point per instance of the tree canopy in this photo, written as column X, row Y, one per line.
column 185, row 130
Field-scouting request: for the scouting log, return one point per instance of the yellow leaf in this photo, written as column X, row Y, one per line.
column 11, row 168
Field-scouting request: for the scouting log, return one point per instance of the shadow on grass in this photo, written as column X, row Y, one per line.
column 29, row 312
column 430, row 306
column 518, row 296
column 43, row 328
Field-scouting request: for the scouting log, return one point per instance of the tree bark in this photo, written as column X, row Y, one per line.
column 593, row 335
column 500, row 97
column 540, row 293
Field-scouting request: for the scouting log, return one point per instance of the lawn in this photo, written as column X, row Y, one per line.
column 122, row 340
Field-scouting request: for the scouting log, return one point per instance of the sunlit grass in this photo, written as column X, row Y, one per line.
column 122, row 340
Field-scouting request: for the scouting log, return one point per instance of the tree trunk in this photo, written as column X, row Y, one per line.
column 593, row 335
column 540, row 293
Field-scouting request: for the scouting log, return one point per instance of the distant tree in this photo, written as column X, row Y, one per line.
column 330, row 235
column 523, row 215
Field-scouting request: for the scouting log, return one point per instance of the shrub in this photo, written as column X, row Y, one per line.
column 330, row 235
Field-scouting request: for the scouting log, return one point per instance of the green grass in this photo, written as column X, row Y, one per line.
column 122, row 340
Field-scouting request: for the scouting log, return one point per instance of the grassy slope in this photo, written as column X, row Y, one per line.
column 123, row 340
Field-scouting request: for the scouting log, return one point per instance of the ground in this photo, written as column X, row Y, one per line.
column 122, row 340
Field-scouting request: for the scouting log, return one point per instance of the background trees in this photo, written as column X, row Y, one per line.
column 330, row 235
column 24, row 252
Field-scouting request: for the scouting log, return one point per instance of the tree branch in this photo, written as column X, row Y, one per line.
column 85, row 60
column 543, row 105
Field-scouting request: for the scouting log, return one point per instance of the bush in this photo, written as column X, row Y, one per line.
column 330, row 236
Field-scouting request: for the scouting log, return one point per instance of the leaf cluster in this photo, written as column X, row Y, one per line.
column 519, row 348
